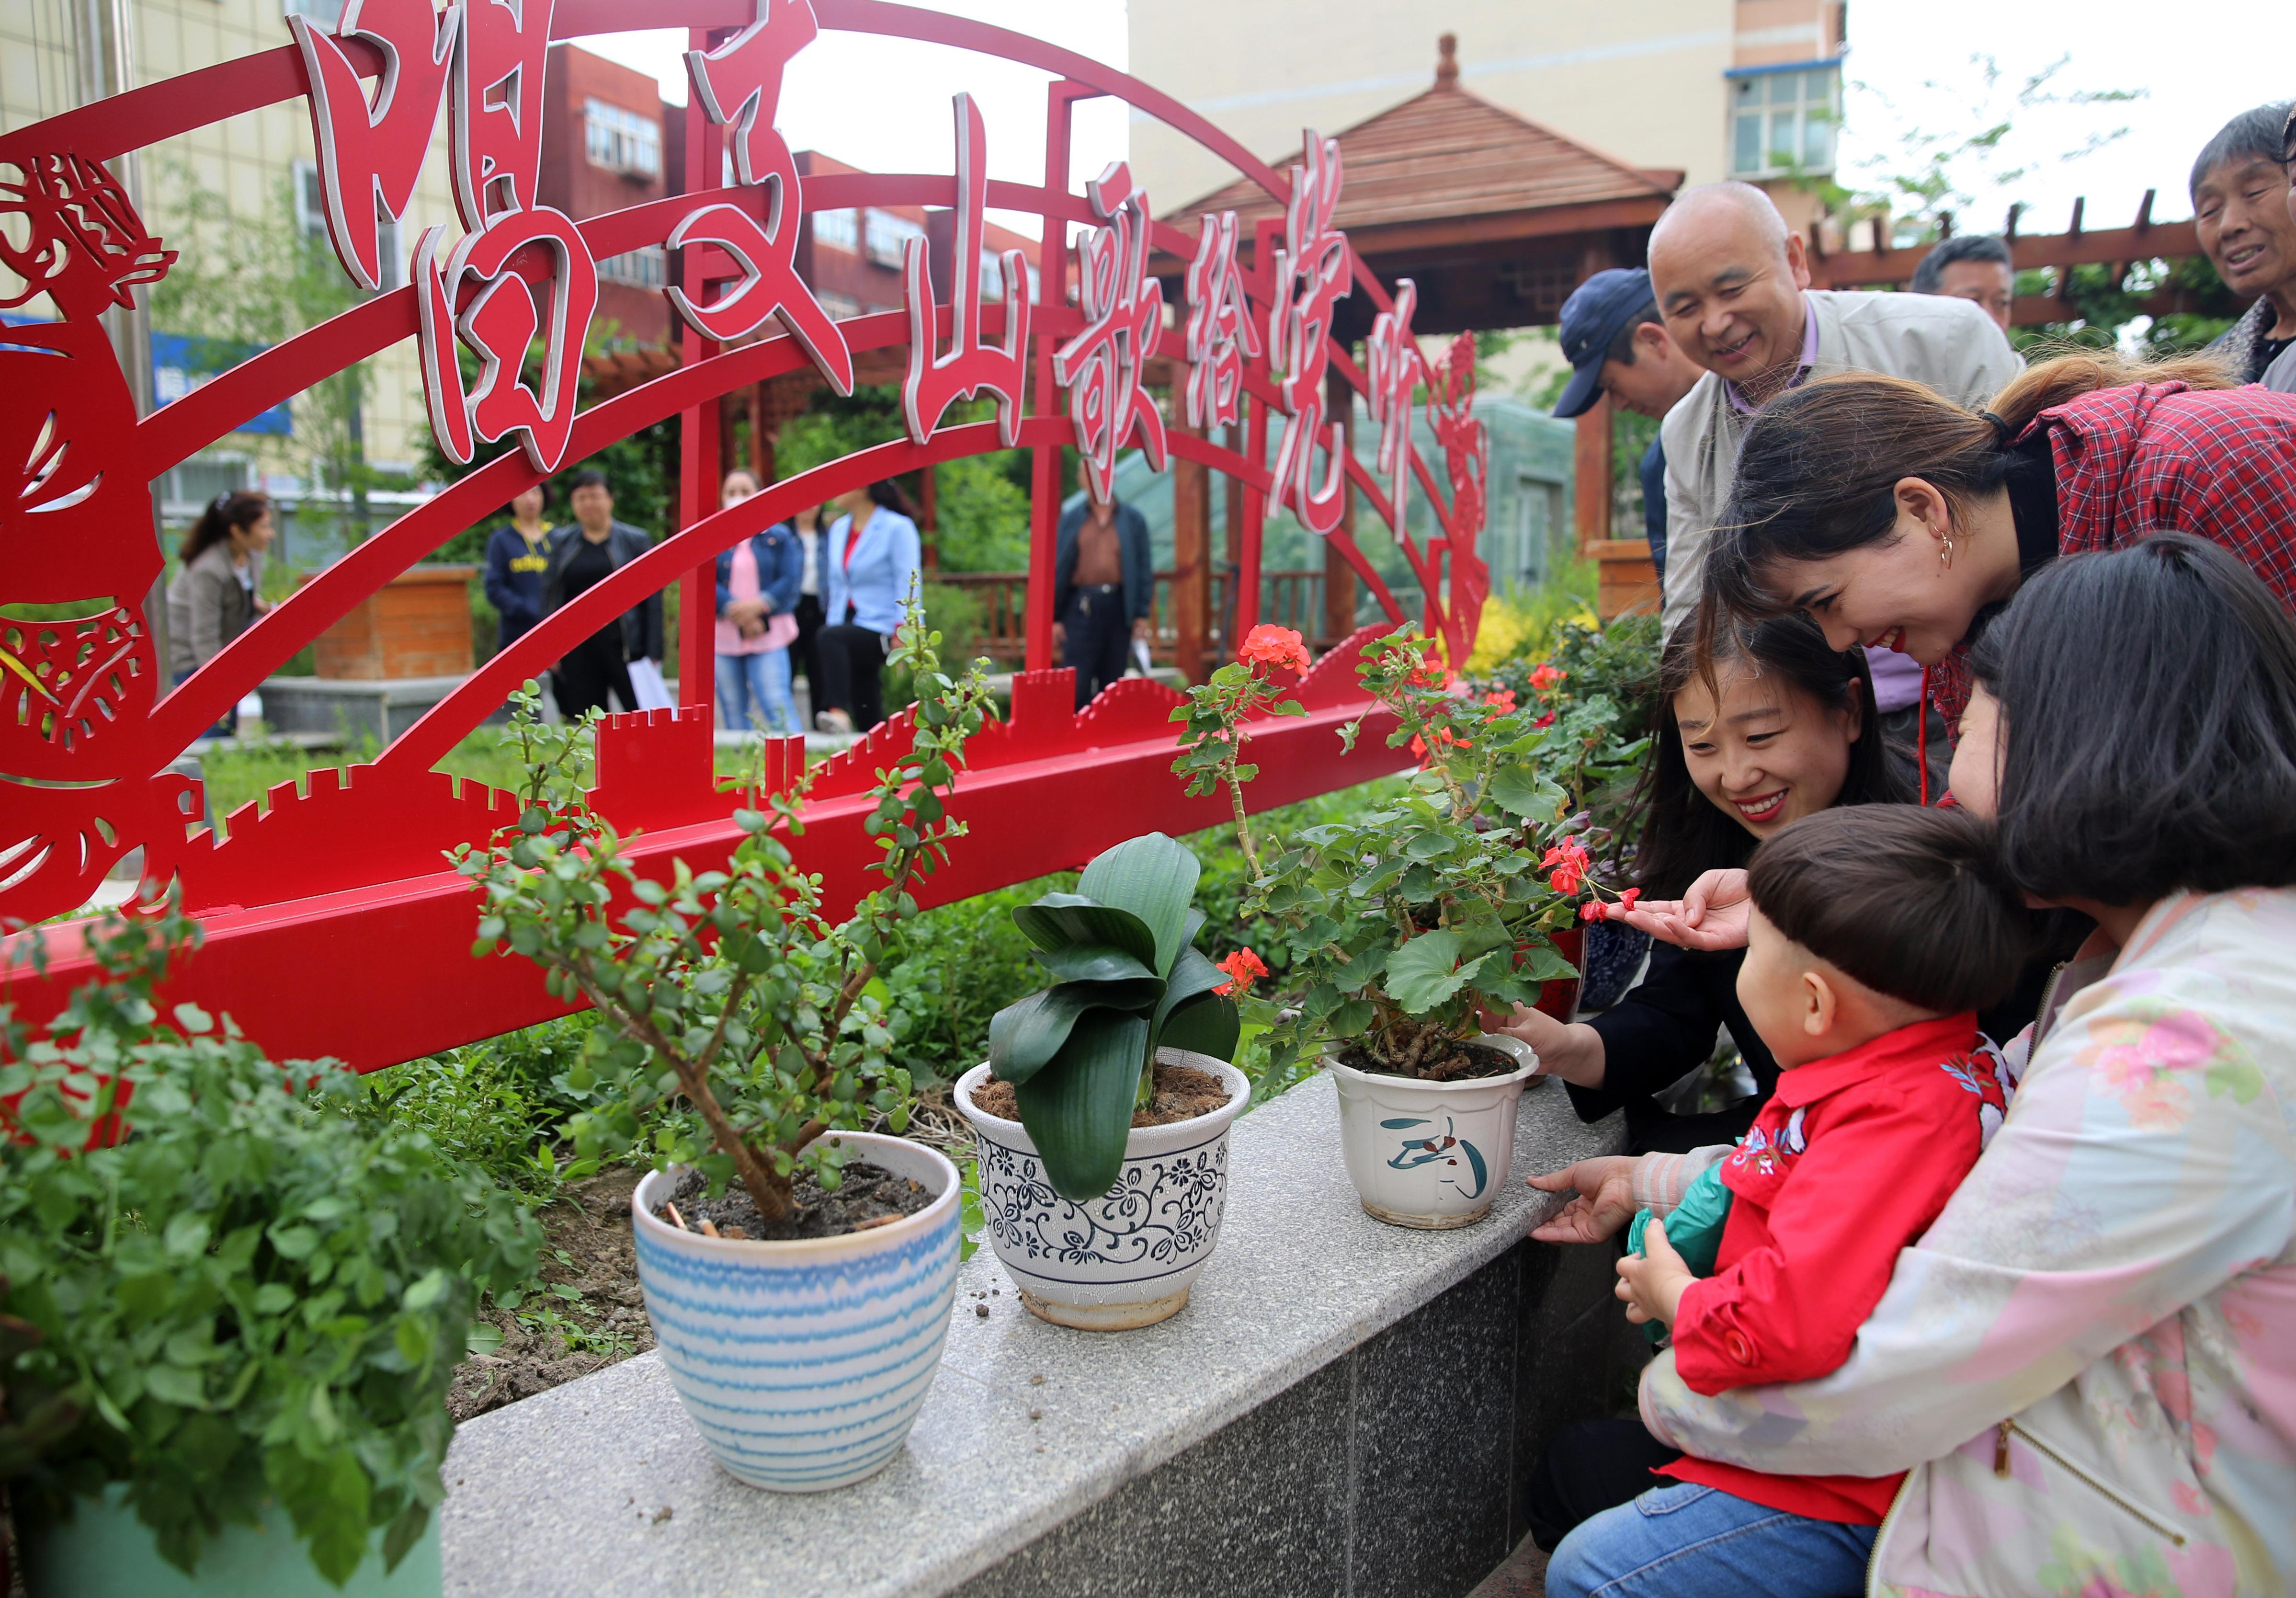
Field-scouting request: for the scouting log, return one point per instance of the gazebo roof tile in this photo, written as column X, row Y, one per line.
column 1446, row 153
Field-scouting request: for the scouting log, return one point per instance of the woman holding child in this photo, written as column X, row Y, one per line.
column 2087, row 1365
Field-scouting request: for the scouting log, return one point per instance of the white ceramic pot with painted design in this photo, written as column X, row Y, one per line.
column 1129, row 1257
column 803, row 1364
column 1430, row 1154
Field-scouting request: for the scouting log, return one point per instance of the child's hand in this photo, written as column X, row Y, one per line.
column 1652, row 1283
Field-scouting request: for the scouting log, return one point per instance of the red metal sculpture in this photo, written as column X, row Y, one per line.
column 319, row 910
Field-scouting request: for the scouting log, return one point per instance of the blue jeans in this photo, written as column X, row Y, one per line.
column 753, row 690
column 1688, row 1541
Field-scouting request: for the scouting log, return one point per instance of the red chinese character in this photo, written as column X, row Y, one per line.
column 935, row 382
column 738, row 85
column 1220, row 332
column 1466, row 446
column 1124, row 318
column 498, row 121
column 369, row 154
column 1311, row 276
column 1396, row 371
column 494, row 313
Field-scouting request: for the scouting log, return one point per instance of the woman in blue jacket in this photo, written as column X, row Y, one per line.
column 871, row 552
column 757, row 621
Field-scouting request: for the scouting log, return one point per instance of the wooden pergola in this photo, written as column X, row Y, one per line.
column 1495, row 218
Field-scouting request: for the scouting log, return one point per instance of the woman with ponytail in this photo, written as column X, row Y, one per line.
column 1895, row 518
column 219, row 592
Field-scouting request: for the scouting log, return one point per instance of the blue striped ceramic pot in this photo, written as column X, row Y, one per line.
column 803, row 1364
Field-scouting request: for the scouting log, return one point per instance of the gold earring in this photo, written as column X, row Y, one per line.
column 1944, row 554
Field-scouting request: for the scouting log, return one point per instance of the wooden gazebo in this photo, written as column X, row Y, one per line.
column 1496, row 219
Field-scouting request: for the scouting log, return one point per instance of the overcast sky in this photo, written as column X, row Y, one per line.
column 883, row 104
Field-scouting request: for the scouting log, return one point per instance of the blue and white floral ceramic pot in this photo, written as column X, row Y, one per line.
column 803, row 1364
column 1430, row 1154
column 1128, row 1257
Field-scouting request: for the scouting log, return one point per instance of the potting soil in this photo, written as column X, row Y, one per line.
column 1182, row 1093
column 869, row 1195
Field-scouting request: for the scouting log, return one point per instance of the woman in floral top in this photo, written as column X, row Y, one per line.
column 2088, row 1363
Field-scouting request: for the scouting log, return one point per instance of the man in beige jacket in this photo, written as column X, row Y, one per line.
column 1734, row 286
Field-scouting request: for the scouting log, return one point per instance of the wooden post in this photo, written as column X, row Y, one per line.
column 1191, row 565
column 1338, row 577
column 761, row 437
column 928, row 509
column 1591, row 477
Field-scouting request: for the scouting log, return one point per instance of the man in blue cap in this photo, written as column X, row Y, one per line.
column 1613, row 335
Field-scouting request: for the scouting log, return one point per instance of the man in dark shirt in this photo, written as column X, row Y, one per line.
column 581, row 557
column 1103, row 590
column 1613, row 335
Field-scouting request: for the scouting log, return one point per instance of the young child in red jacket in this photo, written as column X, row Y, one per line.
column 1878, row 931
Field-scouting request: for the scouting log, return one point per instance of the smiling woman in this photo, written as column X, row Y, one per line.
column 1898, row 518
column 1776, row 730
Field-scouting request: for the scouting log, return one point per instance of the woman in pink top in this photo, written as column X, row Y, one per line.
column 757, row 600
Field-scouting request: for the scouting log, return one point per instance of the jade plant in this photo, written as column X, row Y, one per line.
column 220, row 1287
column 1129, row 980
column 738, row 1021
column 1402, row 922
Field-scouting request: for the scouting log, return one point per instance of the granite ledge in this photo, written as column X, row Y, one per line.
column 601, row 1485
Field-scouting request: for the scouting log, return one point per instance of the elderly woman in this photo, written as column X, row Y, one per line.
column 2088, row 1366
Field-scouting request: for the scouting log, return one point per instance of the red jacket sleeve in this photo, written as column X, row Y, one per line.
column 1873, row 1179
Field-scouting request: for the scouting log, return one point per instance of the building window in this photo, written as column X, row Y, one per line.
column 324, row 15
column 887, row 233
column 992, row 274
column 621, row 141
column 1784, row 122
column 645, row 267
column 311, row 219
column 839, row 306
column 839, row 230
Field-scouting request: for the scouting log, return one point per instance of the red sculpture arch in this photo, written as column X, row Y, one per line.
column 344, row 891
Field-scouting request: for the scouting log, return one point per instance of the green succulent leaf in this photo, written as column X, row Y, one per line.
column 1059, row 920
column 1093, row 962
column 1191, row 1015
column 1023, row 1038
column 1079, row 1113
column 1153, row 877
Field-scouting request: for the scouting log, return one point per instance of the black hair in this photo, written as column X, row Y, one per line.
column 2148, row 726
column 1682, row 832
column 1910, row 901
column 889, row 493
column 1961, row 247
column 1622, row 343
column 2259, row 133
column 1817, row 473
column 225, row 514
column 589, row 477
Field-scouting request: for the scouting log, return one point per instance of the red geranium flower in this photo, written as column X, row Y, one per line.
column 1267, row 644
column 1546, row 720
column 1594, row 910
column 1568, row 861
column 1546, row 676
column 1243, row 968
column 1502, row 699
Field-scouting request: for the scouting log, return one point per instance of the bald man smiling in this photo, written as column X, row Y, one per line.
column 1734, row 286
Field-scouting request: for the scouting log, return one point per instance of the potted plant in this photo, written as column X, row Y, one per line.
column 1103, row 1111
column 1406, row 920
column 232, row 1305
column 740, row 1050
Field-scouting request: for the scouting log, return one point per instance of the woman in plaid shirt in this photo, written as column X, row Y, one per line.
column 1895, row 518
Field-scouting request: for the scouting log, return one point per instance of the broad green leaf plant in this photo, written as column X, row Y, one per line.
column 1129, row 980
column 737, row 1022
column 223, row 1287
column 1401, row 920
